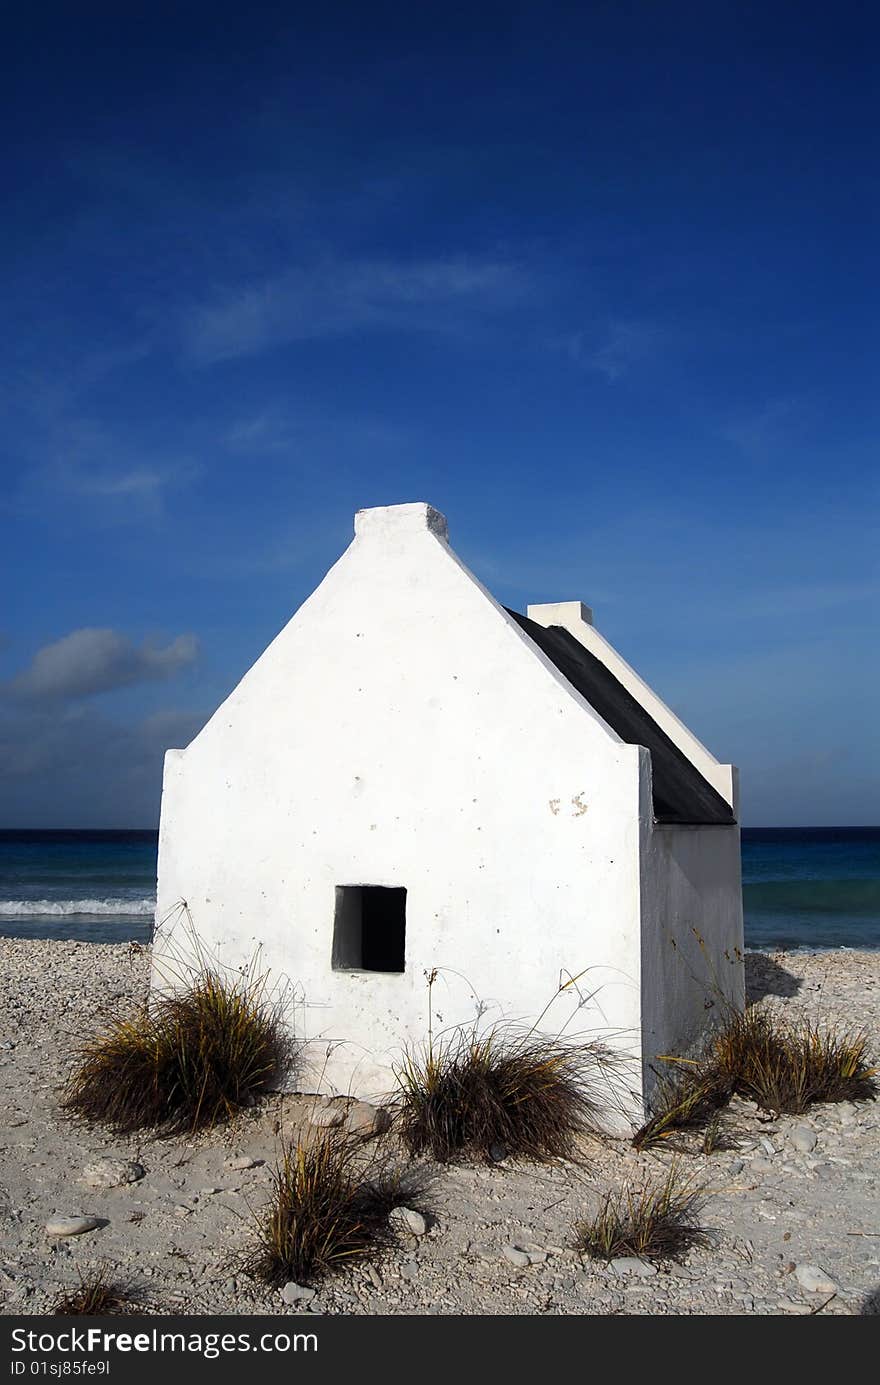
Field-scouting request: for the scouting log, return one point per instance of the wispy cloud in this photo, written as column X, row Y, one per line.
column 615, row 351
column 141, row 481
column 91, row 661
column 119, row 478
column 279, row 429
column 337, row 298
column 764, row 430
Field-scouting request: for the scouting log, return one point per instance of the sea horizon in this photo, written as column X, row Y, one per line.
column 812, row 887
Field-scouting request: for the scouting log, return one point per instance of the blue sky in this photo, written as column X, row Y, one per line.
column 597, row 280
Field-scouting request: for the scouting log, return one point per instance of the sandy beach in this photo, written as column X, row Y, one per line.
column 792, row 1209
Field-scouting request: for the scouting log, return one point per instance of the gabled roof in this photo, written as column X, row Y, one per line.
column 681, row 794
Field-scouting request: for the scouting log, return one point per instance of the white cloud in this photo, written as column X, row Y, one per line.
column 625, row 345
column 91, row 661
column 108, row 480
column 119, row 480
column 340, row 297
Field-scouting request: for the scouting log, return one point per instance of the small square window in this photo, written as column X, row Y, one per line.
column 369, row 930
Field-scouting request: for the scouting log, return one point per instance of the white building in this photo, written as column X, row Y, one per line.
column 413, row 777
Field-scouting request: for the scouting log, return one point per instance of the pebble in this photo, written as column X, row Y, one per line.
column 814, row 1280
column 112, row 1173
column 324, row 1117
column 736, row 1167
column 412, row 1220
column 71, row 1226
column 481, row 1250
column 788, row 1305
column 518, row 1258
column 760, row 1166
column 297, row 1293
column 630, row 1264
column 365, row 1119
column 803, row 1139
column 243, row 1161
column 826, row 1171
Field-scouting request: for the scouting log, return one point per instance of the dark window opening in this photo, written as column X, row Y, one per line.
column 369, row 930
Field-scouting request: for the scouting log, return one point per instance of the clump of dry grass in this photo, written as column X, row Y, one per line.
column 188, row 1059
column 494, row 1095
column 717, row 1136
column 652, row 1221
column 690, row 1099
column 787, row 1066
column 328, row 1208
column 784, row 1066
column 97, row 1295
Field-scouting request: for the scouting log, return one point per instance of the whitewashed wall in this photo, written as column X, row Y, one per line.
column 403, row 730
column 692, row 937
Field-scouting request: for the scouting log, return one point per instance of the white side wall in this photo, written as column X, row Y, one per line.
column 692, row 937
column 403, row 730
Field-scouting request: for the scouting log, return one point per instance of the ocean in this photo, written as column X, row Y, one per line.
column 808, row 887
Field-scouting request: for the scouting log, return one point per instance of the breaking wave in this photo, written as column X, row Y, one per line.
column 58, row 908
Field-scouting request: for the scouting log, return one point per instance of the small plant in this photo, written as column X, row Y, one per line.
column 189, row 1059
column 784, row 1067
column 97, row 1295
column 717, row 1136
column 494, row 1095
column 328, row 1208
column 653, row 1222
column 689, row 1100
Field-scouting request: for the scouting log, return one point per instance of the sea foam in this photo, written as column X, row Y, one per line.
column 56, row 908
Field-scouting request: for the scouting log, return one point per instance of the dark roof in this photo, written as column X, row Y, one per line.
column 681, row 794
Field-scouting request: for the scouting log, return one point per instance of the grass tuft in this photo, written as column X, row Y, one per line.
column 717, row 1137
column 187, row 1060
column 653, row 1222
column 496, row 1095
column 783, row 1066
column 97, row 1295
column 688, row 1100
column 787, row 1066
column 328, row 1208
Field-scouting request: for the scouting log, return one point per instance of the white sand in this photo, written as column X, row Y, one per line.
column 772, row 1208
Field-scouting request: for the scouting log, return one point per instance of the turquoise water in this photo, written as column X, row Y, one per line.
column 811, row 887
column 92, row 886
column 802, row 887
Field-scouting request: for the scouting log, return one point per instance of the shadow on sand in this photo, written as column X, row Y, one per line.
column 765, row 976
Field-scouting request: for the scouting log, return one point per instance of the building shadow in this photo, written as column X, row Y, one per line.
column 765, row 976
